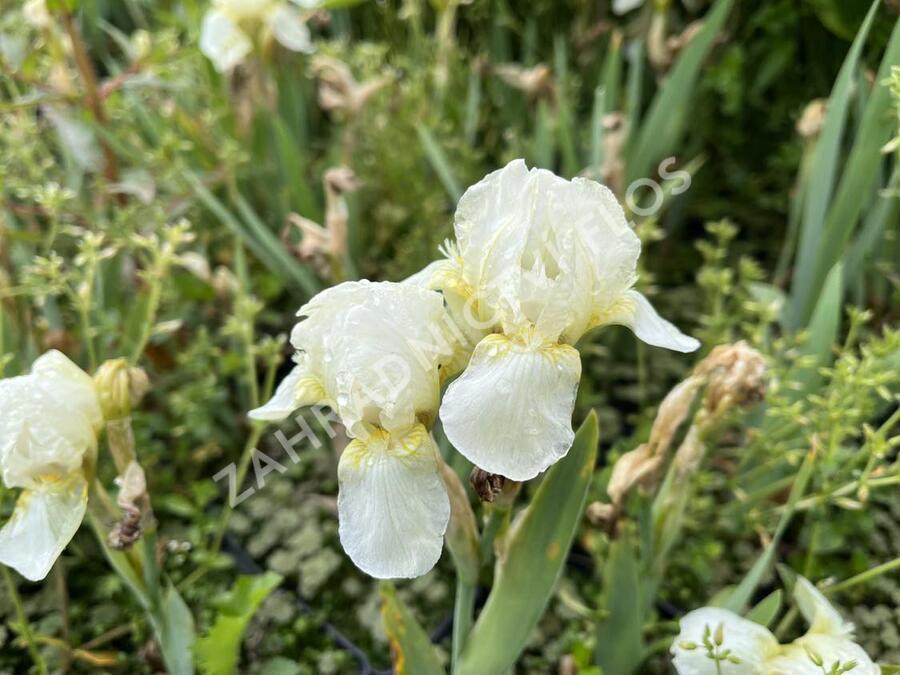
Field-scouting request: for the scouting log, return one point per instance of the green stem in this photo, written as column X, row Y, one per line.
column 222, row 526
column 149, row 317
column 23, row 622
column 864, row 576
column 243, row 467
column 495, row 519
column 463, row 613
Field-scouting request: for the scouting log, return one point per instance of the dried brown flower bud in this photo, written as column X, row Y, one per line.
column 325, row 247
column 487, row 485
column 735, row 375
column 132, row 497
column 536, row 82
column 339, row 90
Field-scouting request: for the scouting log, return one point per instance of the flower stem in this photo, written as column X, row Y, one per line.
column 23, row 622
column 243, row 467
column 864, row 576
column 463, row 612
column 148, row 318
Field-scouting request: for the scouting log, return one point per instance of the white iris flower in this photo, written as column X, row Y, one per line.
column 748, row 648
column 48, row 444
column 373, row 352
column 538, row 261
column 229, row 27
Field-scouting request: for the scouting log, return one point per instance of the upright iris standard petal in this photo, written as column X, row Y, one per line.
column 289, row 28
column 55, row 371
column 635, row 311
column 376, row 348
column 393, row 506
column 43, row 523
column 510, row 412
column 222, row 40
column 749, row 643
column 49, row 423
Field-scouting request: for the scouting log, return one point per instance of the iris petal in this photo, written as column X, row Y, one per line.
column 290, row 29
column 393, row 506
column 42, row 524
column 635, row 311
column 510, row 412
column 222, row 41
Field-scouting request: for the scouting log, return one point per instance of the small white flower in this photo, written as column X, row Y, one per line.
column 755, row 651
column 35, row 13
column 48, row 438
column 829, row 638
column 750, row 644
column 373, row 352
column 539, row 261
column 230, row 26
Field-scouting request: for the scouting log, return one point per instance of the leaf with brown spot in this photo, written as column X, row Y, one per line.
column 411, row 648
column 535, row 555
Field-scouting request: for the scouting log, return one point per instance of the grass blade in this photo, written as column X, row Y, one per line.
column 823, row 332
column 742, row 594
column 619, row 645
column 821, row 184
column 665, row 121
column 439, row 163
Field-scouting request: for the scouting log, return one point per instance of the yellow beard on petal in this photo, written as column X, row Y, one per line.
column 380, row 442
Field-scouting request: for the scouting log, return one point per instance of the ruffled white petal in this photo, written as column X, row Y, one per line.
column 751, row 643
column 43, row 523
column 821, row 616
column 49, row 422
column 56, row 371
column 377, row 349
column 510, row 412
column 463, row 329
column 290, row 29
column 635, row 311
column 538, row 250
column 795, row 658
column 296, row 390
column 393, row 506
column 222, row 40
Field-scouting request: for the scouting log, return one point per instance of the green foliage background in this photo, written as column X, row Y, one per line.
column 90, row 257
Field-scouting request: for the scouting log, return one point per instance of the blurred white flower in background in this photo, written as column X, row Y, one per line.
column 373, row 352
column 35, row 13
column 538, row 261
column 48, row 444
column 231, row 27
column 715, row 641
